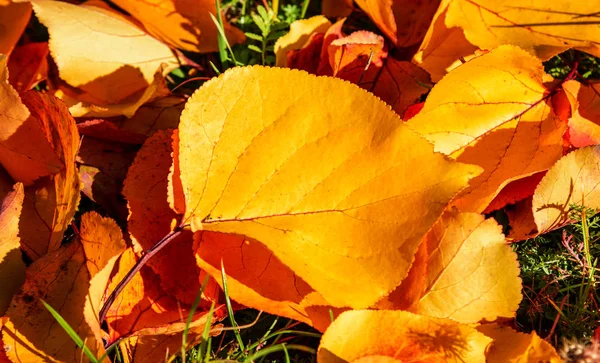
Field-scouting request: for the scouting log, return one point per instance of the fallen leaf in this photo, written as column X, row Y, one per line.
column 543, row 29
column 319, row 216
column 51, row 202
column 108, row 131
column 28, row 66
column 151, row 218
column 404, row 22
column 336, row 8
column 26, row 153
column 512, row 346
column 184, row 24
column 584, row 124
column 368, row 336
column 258, row 279
column 143, row 308
column 12, row 267
column 14, row 18
column 573, row 180
column 102, row 170
column 443, row 46
column 61, row 278
column 299, row 34
column 515, row 191
column 486, row 112
column 120, row 66
column 521, row 222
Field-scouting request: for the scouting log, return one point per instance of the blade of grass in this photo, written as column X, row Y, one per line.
column 206, row 334
column 222, row 39
column 190, row 317
column 277, row 348
column 72, row 333
column 304, row 8
column 230, row 309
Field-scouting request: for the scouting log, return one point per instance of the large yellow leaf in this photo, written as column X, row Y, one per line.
column 62, row 279
column 12, row 267
column 573, row 180
column 340, row 194
column 463, row 249
column 184, row 24
column 380, row 336
column 101, row 53
column 511, row 346
column 495, row 112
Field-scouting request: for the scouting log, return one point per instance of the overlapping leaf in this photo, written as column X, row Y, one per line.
column 14, row 18
column 252, row 164
column 584, row 124
column 184, row 24
column 544, row 29
column 501, row 119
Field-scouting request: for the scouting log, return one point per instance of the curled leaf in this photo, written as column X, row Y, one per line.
column 299, row 34
column 511, row 346
column 14, row 18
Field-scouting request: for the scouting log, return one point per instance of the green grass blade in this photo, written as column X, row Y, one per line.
column 230, row 309
column 277, row 348
column 190, row 317
column 304, row 8
column 223, row 42
column 72, row 333
column 206, row 334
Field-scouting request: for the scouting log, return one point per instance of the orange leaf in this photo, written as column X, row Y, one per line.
column 14, row 19
column 62, row 279
column 151, row 218
column 184, row 24
column 573, row 180
column 258, row 279
column 515, row 191
column 299, row 34
column 143, row 308
column 108, row 131
column 253, row 165
column 28, row 66
column 463, row 249
column 117, row 74
column 511, row 346
column 584, row 124
column 520, row 219
column 486, row 112
column 403, row 21
column 543, row 29
column 12, row 267
column 336, row 8
column 399, row 336
column 26, row 153
column 443, row 46
column 51, row 202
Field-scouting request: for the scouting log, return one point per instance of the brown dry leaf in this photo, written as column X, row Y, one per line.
column 27, row 66
column 443, row 46
column 62, row 279
column 143, row 308
column 486, row 112
column 12, row 267
column 299, row 34
column 404, row 22
column 573, row 180
column 252, row 164
column 378, row 336
column 13, row 20
column 108, row 131
column 515, row 347
column 51, row 202
column 584, row 124
column 184, row 24
column 151, row 218
column 120, row 67
column 25, row 153
column 462, row 249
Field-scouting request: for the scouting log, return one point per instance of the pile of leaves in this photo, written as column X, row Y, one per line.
column 345, row 187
